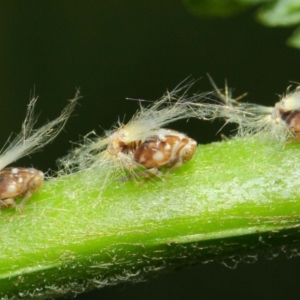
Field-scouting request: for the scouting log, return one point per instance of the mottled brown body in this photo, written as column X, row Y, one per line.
column 18, row 183
column 164, row 148
column 292, row 119
column 168, row 150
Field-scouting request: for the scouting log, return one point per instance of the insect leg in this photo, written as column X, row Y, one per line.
column 7, row 203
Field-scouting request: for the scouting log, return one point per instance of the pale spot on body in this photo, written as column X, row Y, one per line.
column 158, row 156
column 15, row 170
column 12, row 188
column 142, row 159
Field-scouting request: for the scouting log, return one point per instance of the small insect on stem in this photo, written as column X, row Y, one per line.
column 286, row 113
column 280, row 122
column 18, row 183
column 142, row 147
column 24, row 182
column 165, row 148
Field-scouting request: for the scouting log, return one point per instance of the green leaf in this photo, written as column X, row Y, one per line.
column 237, row 197
column 272, row 12
column 281, row 13
column 294, row 40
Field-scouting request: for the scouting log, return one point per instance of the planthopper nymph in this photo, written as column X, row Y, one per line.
column 143, row 147
column 163, row 148
column 24, row 182
column 280, row 122
column 18, row 183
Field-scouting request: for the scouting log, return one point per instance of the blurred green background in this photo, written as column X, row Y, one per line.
column 118, row 49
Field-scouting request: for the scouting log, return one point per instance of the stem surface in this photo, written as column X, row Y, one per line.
column 233, row 200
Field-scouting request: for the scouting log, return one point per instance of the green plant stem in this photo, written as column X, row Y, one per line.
column 234, row 199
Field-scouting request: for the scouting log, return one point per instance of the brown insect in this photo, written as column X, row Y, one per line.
column 18, row 183
column 24, row 182
column 142, row 146
column 288, row 111
column 280, row 122
column 166, row 148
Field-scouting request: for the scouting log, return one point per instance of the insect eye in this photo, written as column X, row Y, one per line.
column 33, row 184
column 186, row 153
